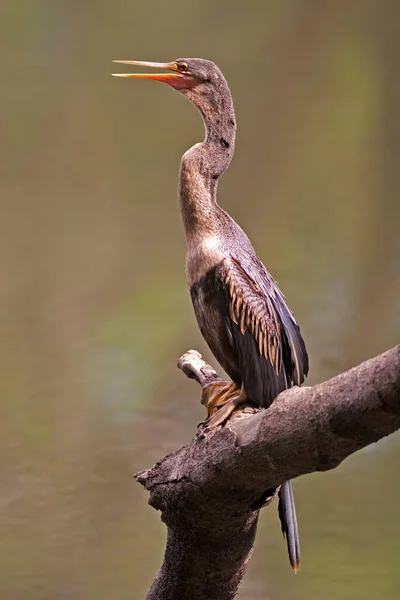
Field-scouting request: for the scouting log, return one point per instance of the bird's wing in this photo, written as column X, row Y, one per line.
column 266, row 338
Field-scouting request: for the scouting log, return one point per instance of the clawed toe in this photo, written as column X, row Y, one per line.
column 220, row 399
column 222, row 414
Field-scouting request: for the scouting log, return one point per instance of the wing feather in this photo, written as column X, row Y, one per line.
column 267, row 340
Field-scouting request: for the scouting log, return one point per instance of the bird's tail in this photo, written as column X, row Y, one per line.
column 287, row 515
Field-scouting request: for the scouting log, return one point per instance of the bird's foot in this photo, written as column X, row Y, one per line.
column 221, row 403
column 217, row 394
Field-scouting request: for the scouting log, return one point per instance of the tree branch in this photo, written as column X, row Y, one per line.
column 206, row 490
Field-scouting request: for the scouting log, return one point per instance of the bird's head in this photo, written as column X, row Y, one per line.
column 201, row 81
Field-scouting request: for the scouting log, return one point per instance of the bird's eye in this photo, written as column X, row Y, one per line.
column 182, row 67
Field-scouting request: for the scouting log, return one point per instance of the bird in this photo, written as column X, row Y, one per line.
column 240, row 310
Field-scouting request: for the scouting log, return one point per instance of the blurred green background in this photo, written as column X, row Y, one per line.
column 94, row 310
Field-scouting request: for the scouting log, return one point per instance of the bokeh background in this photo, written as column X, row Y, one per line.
column 94, row 310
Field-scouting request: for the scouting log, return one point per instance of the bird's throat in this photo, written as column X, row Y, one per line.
column 201, row 167
column 198, row 193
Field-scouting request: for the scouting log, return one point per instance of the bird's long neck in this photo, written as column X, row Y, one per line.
column 202, row 165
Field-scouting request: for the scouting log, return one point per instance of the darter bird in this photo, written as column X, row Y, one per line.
column 240, row 310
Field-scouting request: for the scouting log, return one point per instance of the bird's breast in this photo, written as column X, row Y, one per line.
column 203, row 254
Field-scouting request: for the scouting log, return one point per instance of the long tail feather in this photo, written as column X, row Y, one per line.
column 287, row 515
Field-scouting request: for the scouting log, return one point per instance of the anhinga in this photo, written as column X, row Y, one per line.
column 240, row 310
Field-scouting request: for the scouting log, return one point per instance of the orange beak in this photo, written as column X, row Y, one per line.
column 173, row 77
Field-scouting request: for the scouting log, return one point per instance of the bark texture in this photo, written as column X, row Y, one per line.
column 208, row 491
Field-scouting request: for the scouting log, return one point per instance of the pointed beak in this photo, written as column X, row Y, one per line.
column 173, row 77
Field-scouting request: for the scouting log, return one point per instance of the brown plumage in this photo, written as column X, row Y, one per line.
column 240, row 310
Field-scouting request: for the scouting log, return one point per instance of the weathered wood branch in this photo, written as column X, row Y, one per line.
column 206, row 490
